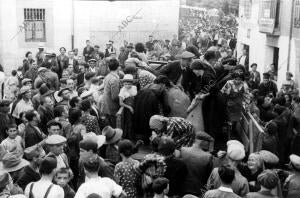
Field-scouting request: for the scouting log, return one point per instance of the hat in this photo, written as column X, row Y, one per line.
column 99, row 139
column 12, row 161
column 61, row 91
column 40, row 69
column 266, row 75
column 295, row 160
column 26, row 80
column 156, row 122
column 24, row 89
column 268, row 179
column 33, row 151
column 55, row 139
column 187, row 55
column 45, row 91
column 4, row 180
column 289, row 73
column 4, row 103
column 235, row 150
column 92, row 60
column 86, row 94
column 197, row 65
column 128, row 78
column 88, row 144
column 112, row 135
column 130, row 45
column 203, row 136
column 268, row 157
column 41, row 46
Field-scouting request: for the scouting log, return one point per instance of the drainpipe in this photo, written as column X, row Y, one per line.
column 290, row 37
column 72, row 23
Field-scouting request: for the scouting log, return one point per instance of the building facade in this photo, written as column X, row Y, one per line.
column 270, row 31
column 25, row 24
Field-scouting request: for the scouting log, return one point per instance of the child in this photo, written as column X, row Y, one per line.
column 160, row 187
column 126, row 98
column 13, row 142
column 62, row 177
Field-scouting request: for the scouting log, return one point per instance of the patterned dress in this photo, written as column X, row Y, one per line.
column 91, row 123
column 127, row 177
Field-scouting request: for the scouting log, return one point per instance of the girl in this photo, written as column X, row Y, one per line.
column 126, row 96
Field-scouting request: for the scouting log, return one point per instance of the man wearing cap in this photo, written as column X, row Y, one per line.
column 199, row 164
column 27, row 82
column 92, row 66
column 40, row 55
column 291, row 188
column 110, row 49
column 178, row 71
column 34, row 155
column 25, row 104
column 235, row 153
column 268, row 181
column 267, row 86
column 56, row 144
column 65, row 95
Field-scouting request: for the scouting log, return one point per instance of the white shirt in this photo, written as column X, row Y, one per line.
column 105, row 187
column 242, row 60
column 40, row 188
column 22, row 106
column 9, row 144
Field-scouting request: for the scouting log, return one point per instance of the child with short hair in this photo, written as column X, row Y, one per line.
column 62, row 177
column 13, row 142
column 160, row 187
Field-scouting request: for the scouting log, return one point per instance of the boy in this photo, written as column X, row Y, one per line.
column 13, row 141
column 160, row 187
column 62, row 177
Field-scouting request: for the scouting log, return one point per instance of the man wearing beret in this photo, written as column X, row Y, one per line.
column 267, row 86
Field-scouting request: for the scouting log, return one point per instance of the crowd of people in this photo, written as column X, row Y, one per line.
column 102, row 124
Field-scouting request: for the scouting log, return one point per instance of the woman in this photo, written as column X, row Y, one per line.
column 125, row 171
column 62, row 61
column 76, row 136
column 89, row 121
column 179, row 129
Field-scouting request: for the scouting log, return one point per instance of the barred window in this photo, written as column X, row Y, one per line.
column 297, row 14
column 246, row 6
column 270, row 9
column 35, row 26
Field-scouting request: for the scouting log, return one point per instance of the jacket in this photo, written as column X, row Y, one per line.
column 27, row 176
column 32, row 136
column 88, row 53
column 48, row 77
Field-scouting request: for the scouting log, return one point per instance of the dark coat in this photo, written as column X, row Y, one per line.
column 261, row 194
column 46, row 114
column 63, row 62
column 32, row 136
column 88, row 53
column 199, row 166
column 69, row 192
column 265, row 89
column 27, row 176
column 75, row 65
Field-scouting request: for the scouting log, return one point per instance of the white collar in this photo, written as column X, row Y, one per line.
column 225, row 189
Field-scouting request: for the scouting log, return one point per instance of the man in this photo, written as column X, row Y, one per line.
column 75, row 54
column 199, row 164
column 65, row 95
column 34, row 155
column 178, row 71
column 92, row 66
column 110, row 49
column 83, row 68
column 104, row 187
column 61, row 113
column 45, row 111
column 62, row 61
column 239, row 184
column 254, row 77
column 88, row 51
column 45, row 75
column 267, row 86
column 33, row 135
column 292, row 183
column 44, row 187
column 71, row 86
column 25, row 104
column 268, row 181
column 27, row 62
column 72, row 61
column 244, row 60
column 150, row 44
column 273, row 73
column 176, row 170
column 97, row 54
column 89, row 149
column 111, row 92
column 54, row 128
column 40, row 56
column 56, row 144
column 227, row 175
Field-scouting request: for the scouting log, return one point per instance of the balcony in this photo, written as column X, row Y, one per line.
column 269, row 17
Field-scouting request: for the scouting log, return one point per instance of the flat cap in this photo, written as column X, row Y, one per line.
column 55, row 139
column 235, row 150
column 24, row 89
column 26, row 80
column 295, row 160
column 187, row 55
column 268, row 179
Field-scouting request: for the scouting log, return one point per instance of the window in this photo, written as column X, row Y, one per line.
column 35, row 27
column 269, row 16
column 297, row 14
column 246, row 8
